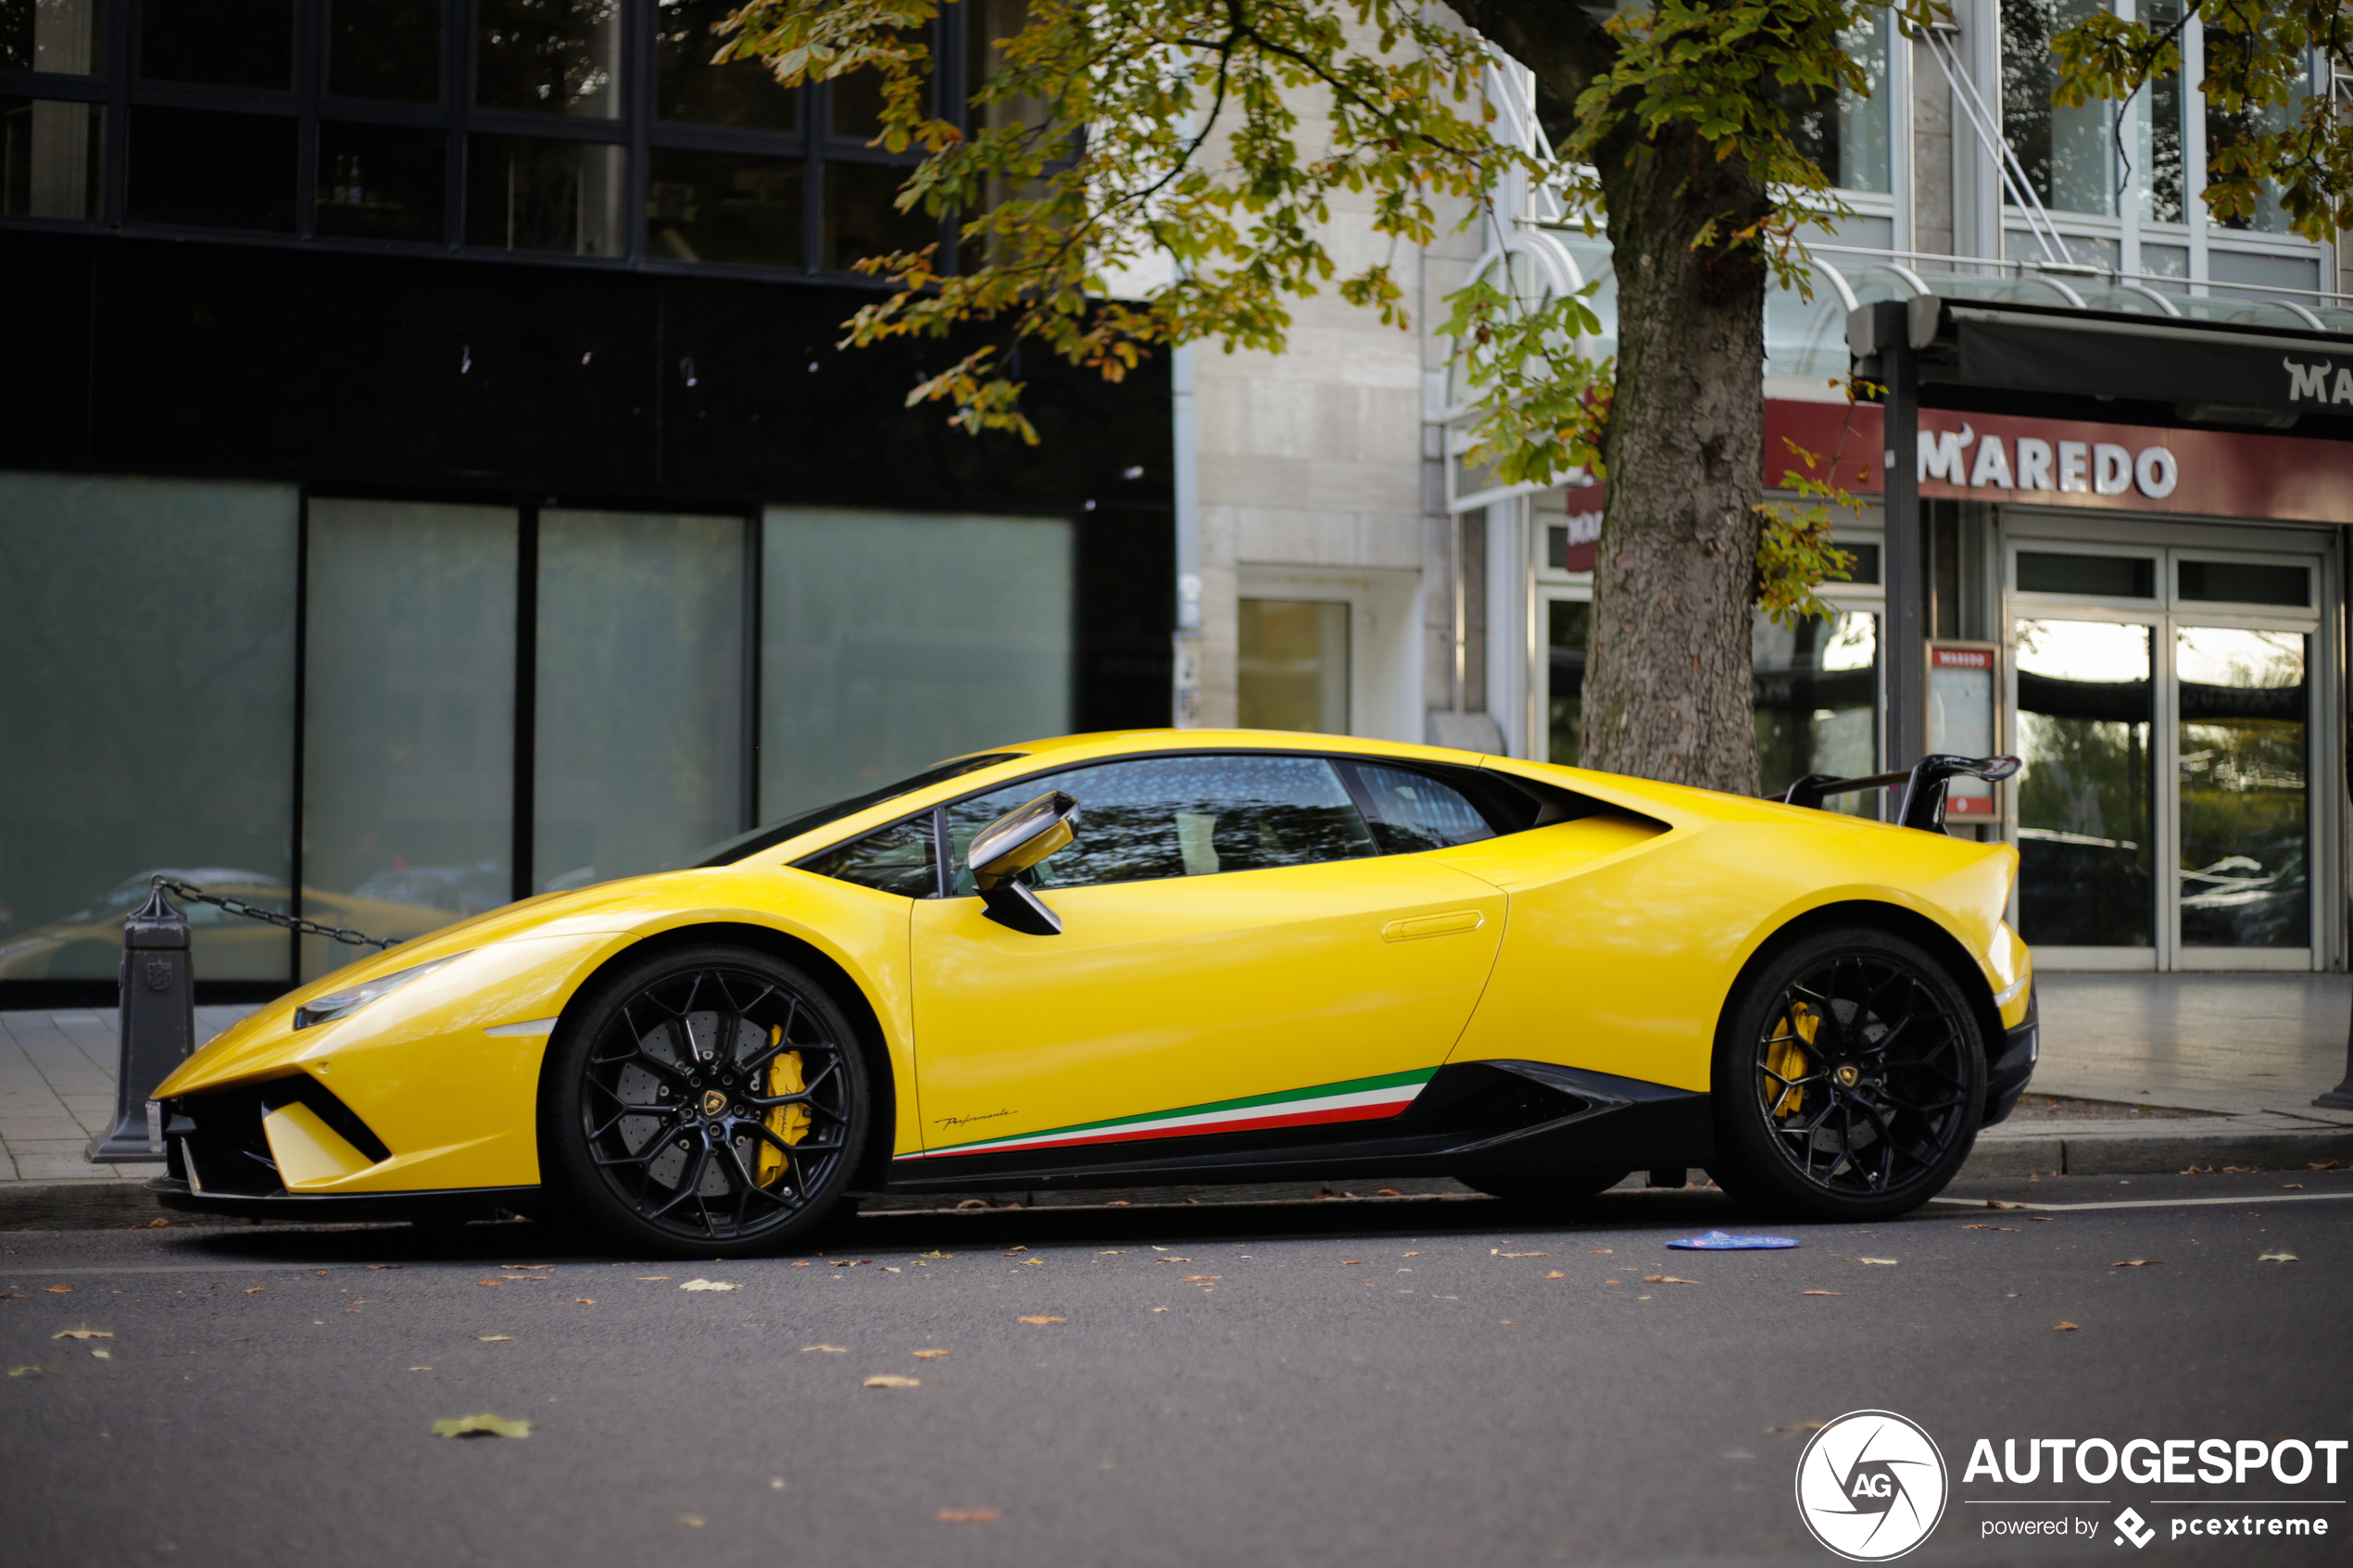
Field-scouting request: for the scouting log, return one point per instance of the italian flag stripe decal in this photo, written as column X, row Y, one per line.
column 1358, row 1099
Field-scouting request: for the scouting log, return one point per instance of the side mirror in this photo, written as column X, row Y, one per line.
column 1009, row 846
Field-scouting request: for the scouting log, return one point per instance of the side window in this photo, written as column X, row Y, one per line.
column 1182, row 815
column 1412, row 811
column 896, row 859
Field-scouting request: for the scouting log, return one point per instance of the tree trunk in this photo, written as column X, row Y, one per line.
column 1668, row 688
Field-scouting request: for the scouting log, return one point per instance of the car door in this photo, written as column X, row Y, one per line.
column 1237, row 953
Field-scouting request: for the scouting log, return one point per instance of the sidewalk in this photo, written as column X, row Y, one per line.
column 2246, row 1052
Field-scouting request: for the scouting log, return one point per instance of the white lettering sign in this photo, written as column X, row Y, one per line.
column 2102, row 468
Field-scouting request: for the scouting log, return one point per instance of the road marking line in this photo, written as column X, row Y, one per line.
column 2153, row 1202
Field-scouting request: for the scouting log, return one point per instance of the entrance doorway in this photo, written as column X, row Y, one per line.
column 2169, row 706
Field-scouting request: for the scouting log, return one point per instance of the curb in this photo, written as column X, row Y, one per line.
column 115, row 1204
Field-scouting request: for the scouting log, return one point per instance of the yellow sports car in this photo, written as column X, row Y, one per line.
column 1156, row 957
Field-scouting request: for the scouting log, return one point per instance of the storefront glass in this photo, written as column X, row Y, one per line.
column 1818, row 702
column 890, row 640
column 408, row 780
column 640, row 700
column 2243, row 717
column 2084, row 820
column 147, row 720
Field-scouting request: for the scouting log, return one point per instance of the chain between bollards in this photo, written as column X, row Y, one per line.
column 289, row 923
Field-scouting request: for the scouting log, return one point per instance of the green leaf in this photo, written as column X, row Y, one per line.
column 483, row 1425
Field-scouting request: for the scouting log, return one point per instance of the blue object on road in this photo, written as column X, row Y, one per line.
column 1722, row 1241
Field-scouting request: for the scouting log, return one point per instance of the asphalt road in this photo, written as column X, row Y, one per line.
column 1423, row 1382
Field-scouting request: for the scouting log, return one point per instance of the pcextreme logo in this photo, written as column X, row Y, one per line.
column 1871, row 1486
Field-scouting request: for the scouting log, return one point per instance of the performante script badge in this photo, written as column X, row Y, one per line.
column 1870, row 1486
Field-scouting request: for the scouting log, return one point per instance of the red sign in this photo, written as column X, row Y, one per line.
column 2069, row 463
column 1961, row 658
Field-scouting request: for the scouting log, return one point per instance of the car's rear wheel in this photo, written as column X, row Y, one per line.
column 1849, row 1078
column 1543, row 1189
column 703, row 1100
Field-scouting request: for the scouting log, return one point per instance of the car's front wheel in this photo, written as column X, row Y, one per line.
column 1849, row 1078
column 703, row 1100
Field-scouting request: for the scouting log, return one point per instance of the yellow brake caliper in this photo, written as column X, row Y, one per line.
column 789, row 1123
column 1785, row 1058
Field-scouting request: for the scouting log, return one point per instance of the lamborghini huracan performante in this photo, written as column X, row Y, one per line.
column 1153, row 957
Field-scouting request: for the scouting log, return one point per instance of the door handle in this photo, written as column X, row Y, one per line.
column 1452, row 924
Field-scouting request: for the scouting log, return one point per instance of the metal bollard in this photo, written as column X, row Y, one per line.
column 158, row 993
column 2341, row 1097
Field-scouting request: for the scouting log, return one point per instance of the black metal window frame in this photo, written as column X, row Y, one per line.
column 118, row 89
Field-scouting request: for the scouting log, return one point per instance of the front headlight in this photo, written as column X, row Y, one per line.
column 344, row 1003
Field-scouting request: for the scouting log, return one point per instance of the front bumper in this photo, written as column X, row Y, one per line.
column 342, row 1208
column 2013, row 1064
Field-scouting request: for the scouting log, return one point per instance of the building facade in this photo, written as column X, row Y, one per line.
column 429, row 476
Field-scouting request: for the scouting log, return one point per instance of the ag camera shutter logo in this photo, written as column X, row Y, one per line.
column 1871, row 1486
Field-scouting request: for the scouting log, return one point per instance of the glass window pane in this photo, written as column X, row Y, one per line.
column 2086, row 867
column 216, row 170
column 524, row 193
column 223, row 43
column 2068, row 153
column 1413, row 811
column 2110, row 577
column 861, row 221
column 51, row 158
column 1568, row 623
column 64, row 36
column 894, row 861
column 640, row 719
column 388, row 49
column 723, row 206
column 1181, row 816
column 2225, row 128
column 382, row 182
column 1816, row 703
column 562, row 56
column 410, row 719
column 147, row 626
column 2246, row 749
column 890, row 640
column 1292, row 669
column 1846, row 134
column 2247, row 582
column 689, row 88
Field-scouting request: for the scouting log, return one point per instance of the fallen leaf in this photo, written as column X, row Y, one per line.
column 889, row 1270
column 1031, row 1263
column 158, row 1224
column 2063, row 1326
column 1798, row 1426
column 103, row 1355
column 35, row 1371
column 2199, row 1171
column 692, row 1521
column 2277, row 1257
column 483, row 1425
column 966, row 1516
column 1821, row 1293
column 526, row 1265
column 1609, row 1282
column 485, row 1282
column 11, row 1295
column 707, row 1284
column 1043, row 1320
column 1010, row 1250
column 1387, row 1192
column 492, row 1339
column 1160, row 1308
column 584, row 1300
column 2038, row 1219
column 775, row 1483
column 2012, row 1229
column 851, row 1263
column 2322, row 1165
column 1667, row 1279
column 255, row 1290
column 2240, row 1170
column 1599, row 1251
column 1556, row 1274
column 1997, row 1203
column 421, row 1369
column 1499, row 1252
column 67, row 1290
column 1409, row 1254
column 932, row 1355
column 892, row 1380
column 1196, row 1279
column 1350, row 1262
column 1172, row 1258
column 1888, row 1262
column 826, row 1349
column 1116, row 1252
column 387, row 1265
column 2135, row 1262
column 83, row 1334
column 935, row 1252
column 648, row 1279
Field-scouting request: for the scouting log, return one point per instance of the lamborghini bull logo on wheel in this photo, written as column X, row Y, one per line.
column 1871, row 1486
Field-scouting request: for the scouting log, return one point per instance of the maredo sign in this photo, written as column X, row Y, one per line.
column 2069, row 463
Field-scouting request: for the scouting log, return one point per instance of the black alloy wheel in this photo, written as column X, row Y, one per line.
column 705, row 1098
column 1850, row 1078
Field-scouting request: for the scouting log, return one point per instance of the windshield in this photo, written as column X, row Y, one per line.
column 729, row 851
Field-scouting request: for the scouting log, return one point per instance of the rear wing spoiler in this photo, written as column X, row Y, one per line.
column 1924, row 785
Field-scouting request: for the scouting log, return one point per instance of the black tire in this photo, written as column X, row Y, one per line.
column 1546, row 1190
column 1849, row 1078
column 667, row 1105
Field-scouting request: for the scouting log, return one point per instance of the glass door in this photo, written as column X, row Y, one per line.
column 2085, row 844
